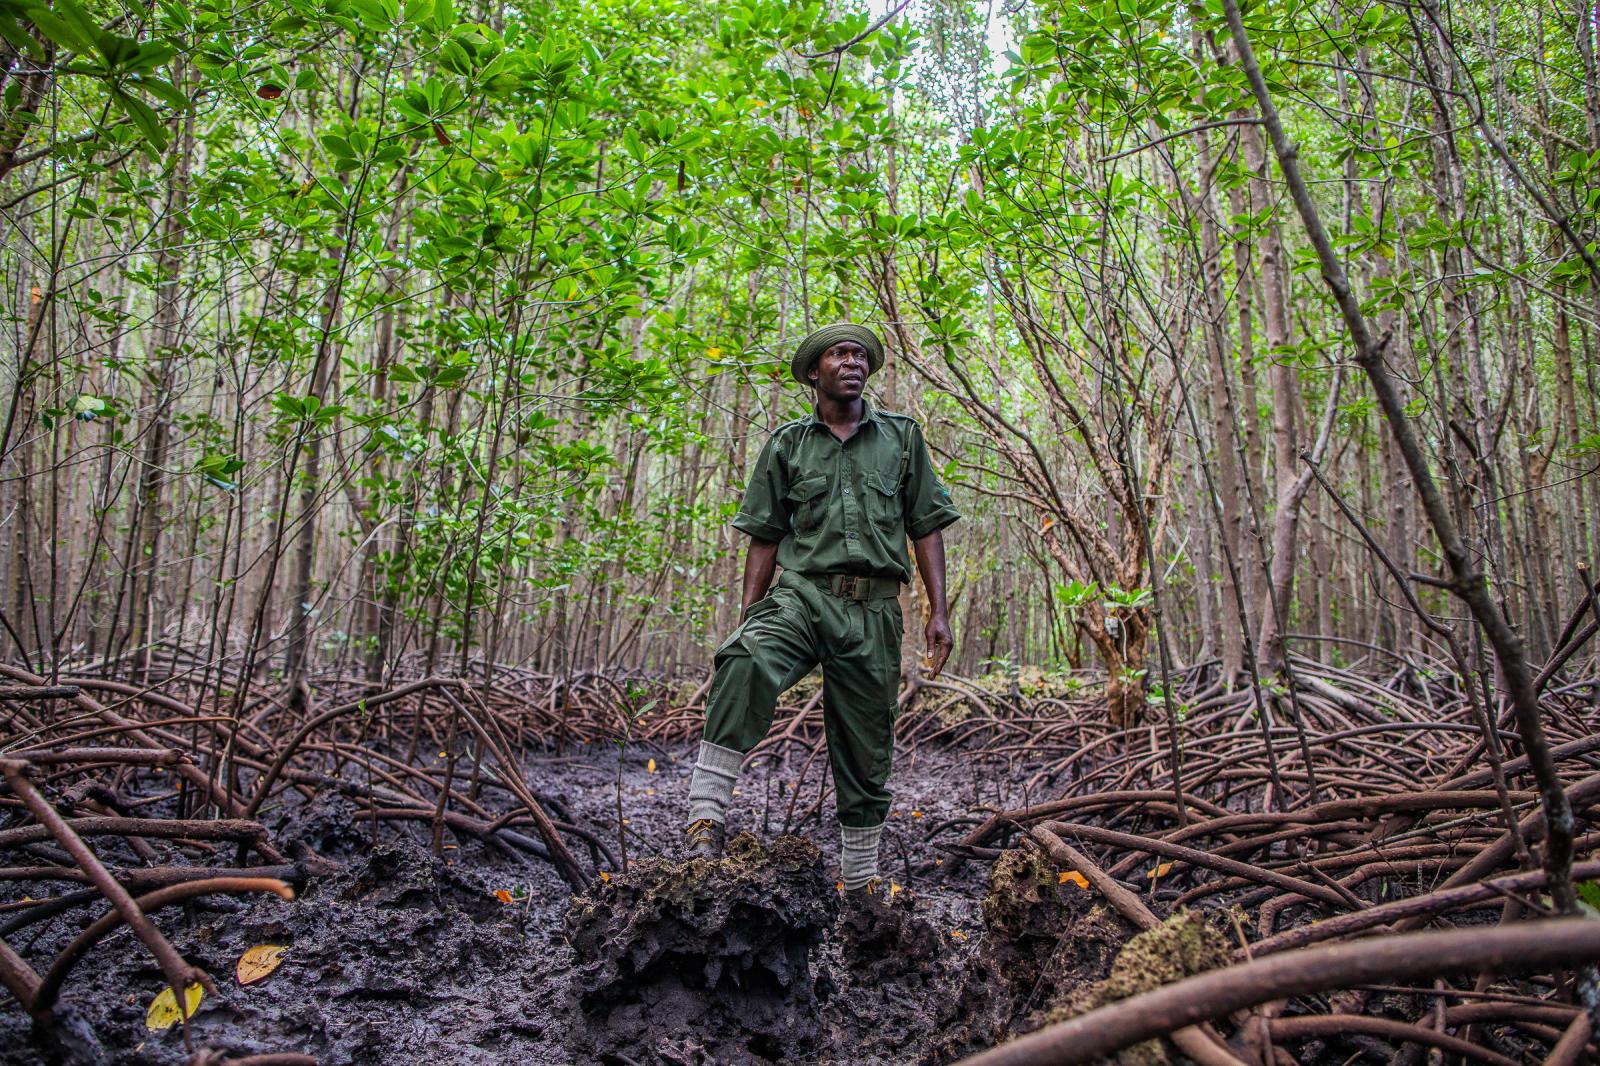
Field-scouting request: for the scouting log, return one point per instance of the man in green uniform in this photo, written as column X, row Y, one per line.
column 831, row 500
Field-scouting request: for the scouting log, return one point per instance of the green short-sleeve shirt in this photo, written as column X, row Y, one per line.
column 845, row 507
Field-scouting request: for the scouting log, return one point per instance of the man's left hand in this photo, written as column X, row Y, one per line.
column 939, row 641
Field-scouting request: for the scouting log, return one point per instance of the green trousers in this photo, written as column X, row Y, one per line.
column 791, row 630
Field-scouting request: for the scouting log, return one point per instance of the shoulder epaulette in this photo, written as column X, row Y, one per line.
column 784, row 426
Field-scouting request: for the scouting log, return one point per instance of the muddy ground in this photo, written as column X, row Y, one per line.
column 401, row 958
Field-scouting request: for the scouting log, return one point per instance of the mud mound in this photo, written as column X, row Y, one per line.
column 881, row 938
column 718, row 950
column 1046, row 936
column 1182, row 946
column 906, row 990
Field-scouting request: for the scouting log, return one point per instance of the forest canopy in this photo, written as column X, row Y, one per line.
column 346, row 331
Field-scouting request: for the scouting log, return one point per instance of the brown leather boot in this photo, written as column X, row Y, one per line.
column 705, row 839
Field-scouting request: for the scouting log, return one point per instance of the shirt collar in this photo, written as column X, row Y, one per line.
column 868, row 414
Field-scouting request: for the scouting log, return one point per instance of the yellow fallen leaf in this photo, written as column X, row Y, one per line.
column 956, row 934
column 163, row 1012
column 893, row 888
column 605, row 877
column 1160, row 871
column 916, row 814
column 649, row 792
column 1074, row 877
column 650, row 767
column 258, row 962
column 839, row 885
column 504, row 895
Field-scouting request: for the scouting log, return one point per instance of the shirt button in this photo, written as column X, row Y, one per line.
column 847, row 492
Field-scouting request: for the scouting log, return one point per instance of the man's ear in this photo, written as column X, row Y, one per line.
column 813, row 372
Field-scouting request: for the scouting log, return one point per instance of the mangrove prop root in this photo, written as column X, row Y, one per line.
column 1527, row 945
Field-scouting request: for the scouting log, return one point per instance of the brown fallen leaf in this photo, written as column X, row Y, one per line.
column 258, row 962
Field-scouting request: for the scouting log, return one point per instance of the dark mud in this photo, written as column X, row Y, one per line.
column 403, row 958
column 704, row 961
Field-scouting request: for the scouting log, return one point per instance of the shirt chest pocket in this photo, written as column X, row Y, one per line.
column 883, row 499
column 808, row 503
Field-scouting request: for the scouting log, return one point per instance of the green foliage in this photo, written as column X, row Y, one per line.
column 498, row 273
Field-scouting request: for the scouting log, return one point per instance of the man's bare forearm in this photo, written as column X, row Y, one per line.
column 760, row 563
column 937, row 635
column 930, row 564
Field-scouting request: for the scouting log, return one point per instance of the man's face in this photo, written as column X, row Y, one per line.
column 841, row 371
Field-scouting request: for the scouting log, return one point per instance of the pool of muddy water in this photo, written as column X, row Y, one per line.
column 403, row 958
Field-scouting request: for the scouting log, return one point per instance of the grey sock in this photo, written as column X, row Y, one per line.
column 858, row 854
column 711, row 787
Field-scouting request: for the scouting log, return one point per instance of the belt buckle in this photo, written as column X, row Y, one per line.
column 845, row 586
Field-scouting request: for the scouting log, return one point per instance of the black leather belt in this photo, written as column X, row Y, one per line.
column 856, row 587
